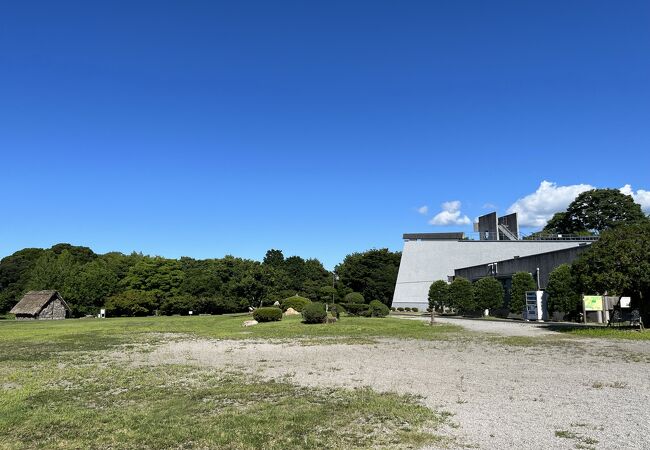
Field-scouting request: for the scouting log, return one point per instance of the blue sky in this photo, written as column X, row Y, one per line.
column 208, row 128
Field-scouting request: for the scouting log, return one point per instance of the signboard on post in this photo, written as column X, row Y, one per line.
column 593, row 302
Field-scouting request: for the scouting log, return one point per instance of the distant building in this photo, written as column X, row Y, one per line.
column 497, row 252
column 41, row 305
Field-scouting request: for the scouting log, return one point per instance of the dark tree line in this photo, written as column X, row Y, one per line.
column 138, row 284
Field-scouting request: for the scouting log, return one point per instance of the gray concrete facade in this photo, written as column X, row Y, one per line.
column 541, row 264
column 427, row 260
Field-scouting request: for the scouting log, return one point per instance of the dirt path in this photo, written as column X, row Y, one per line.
column 493, row 326
column 564, row 394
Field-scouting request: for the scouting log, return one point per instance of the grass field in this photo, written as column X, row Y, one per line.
column 58, row 390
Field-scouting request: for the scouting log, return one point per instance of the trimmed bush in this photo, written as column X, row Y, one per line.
column 461, row 295
column 392, row 308
column 439, row 295
column 267, row 314
column 296, row 302
column 378, row 309
column 400, row 309
column 354, row 297
column 314, row 313
column 407, row 309
column 488, row 294
column 414, row 309
column 355, row 309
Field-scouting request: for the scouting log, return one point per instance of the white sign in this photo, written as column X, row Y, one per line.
column 626, row 302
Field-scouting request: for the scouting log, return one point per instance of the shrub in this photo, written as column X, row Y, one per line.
column 267, row 314
column 392, row 308
column 438, row 294
column 354, row 297
column 296, row 302
column 400, row 309
column 355, row 309
column 562, row 295
column 414, row 309
column 314, row 313
column 131, row 303
column 521, row 282
column 378, row 309
column 180, row 304
column 461, row 295
column 407, row 309
column 488, row 294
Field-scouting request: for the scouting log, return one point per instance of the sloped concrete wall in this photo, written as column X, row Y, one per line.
column 426, row 261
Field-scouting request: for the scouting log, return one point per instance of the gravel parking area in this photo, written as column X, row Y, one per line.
column 560, row 393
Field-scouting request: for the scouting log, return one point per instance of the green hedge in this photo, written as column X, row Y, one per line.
column 378, row 309
column 355, row 309
column 354, row 297
column 267, row 314
column 314, row 313
column 296, row 302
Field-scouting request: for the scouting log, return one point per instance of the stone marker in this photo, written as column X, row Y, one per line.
column 249, row 323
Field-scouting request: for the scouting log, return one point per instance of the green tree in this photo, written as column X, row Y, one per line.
column 328, row 294
column 163, row 277
column 438, row 294
column 461, row 295
column 521, row 282
column 90, row 287
column 561, row 290
column 274, row 258
column 354, row 297
column 488, row 293
column 131, row 303
column 595, row 211
column 372, row 273
column 14, row 275
column 619, row 264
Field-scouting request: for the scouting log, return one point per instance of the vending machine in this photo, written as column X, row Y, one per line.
column 536, row 302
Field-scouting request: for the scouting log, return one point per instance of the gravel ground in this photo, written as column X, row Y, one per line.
column 564, row 393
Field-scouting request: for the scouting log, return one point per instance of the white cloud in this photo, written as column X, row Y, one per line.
column 642, row 197
column 450, row 215
column 535, row 209
column 490, row 206
column 424, row 210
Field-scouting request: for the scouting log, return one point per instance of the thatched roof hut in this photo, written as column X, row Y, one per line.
column 41, row 305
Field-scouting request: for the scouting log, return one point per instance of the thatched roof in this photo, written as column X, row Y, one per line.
column 34, row 301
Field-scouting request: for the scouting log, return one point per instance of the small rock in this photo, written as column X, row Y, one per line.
column 249, row 323
column 291, row 312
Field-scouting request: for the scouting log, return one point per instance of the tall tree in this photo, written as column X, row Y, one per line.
column 373, row 273
column 274, row 257
column 561, row 290
column 461, row 295
column 521, row 282
column 619, row 264
column 438, row 294
column 488, row 293
column 595, row 211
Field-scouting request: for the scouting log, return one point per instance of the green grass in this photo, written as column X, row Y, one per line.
column 59, row 389
column 608, row 333
column 97, row 334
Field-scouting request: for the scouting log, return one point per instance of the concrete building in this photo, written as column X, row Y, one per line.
column 427, row 257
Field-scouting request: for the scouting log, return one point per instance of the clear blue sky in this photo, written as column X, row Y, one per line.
column 207, row 128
